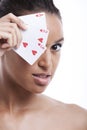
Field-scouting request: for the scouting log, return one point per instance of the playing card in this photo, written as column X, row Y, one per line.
column 37, row 19
column 30, row 54
column 35, row 35
column 34, row 39
column 33, row 46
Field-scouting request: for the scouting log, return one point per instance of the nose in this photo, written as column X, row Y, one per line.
column 45, row 60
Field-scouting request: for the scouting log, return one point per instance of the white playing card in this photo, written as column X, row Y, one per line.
column 35, row 34
column 30, row 53
column 32, row 46
column 34, row 39
column 35, row 19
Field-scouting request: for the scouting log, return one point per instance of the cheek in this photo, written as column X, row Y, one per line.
column 56, row 59
column 16, row 66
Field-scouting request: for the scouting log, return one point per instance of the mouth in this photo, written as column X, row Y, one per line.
column 42, row 79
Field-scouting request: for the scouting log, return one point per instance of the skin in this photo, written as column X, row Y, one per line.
column 22, row 106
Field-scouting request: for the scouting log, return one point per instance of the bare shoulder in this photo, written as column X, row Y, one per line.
column 70, row 115
column 79, row 111
column 78, row 114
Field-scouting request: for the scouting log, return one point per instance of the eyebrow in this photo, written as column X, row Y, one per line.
column 59, row 40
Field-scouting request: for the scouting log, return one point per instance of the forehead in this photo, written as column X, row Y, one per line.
column 54, row 26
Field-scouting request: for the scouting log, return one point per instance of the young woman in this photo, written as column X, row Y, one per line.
column 22, row 106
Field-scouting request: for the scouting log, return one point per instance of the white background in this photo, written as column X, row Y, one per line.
column 70, row 81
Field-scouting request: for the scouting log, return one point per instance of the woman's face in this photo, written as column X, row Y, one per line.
column 36, row 77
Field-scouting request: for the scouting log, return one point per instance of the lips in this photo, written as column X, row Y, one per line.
column 41, row 75
column 42, row 79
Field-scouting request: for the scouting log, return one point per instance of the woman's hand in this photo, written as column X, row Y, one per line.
column 10, row 35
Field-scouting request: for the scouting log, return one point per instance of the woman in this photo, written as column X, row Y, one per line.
column 22, row 106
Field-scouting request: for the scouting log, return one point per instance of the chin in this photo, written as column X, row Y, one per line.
column 36, row 89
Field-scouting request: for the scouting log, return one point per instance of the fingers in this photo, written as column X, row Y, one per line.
column 5, row 46
column 10, row 32
column 9, row 29
column 12, row 18
column 12, row 36
column 8, row 38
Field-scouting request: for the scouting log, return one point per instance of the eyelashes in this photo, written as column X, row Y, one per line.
column 56, row 47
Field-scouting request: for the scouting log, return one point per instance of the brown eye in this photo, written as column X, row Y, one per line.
column 56, row 47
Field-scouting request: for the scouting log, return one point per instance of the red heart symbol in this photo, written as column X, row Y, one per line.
column 25, row 44
column 43, row 31
column 40, row 39
column 39, row 15
column 34, row 52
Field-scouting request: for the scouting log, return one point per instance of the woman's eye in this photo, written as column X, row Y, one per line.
column 56, row 47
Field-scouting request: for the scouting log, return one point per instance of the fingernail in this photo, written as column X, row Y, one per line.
column 25, row 26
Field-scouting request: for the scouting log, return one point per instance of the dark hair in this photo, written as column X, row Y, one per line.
column 17, row 7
